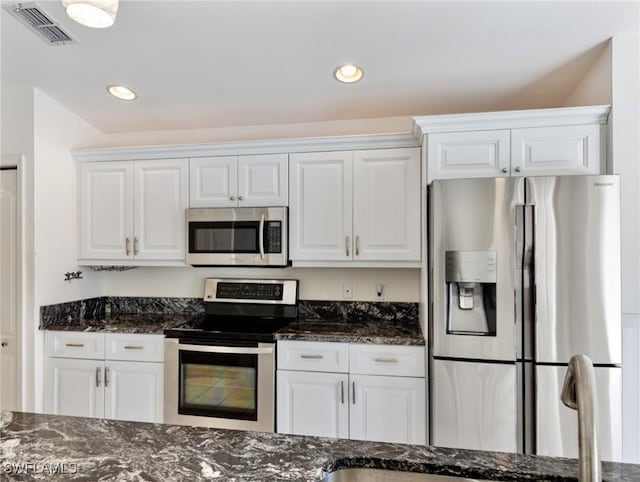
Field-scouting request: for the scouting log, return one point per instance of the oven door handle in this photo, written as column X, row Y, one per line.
column 261, row 238
column 234, row 350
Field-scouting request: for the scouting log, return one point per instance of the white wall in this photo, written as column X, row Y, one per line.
column 625, row 160
column 56, row 131
column 315, row 283
column 595, row 86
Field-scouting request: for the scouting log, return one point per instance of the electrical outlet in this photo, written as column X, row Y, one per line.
column 379, row 292
column 347, row 291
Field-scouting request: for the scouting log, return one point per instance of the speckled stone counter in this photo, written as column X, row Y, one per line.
column 94, row 449
column 383, row 332
column 150, row 323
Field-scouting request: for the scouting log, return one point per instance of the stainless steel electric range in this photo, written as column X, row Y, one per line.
column 220, row 368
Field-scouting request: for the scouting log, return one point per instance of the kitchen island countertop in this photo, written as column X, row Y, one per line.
column 93, row 449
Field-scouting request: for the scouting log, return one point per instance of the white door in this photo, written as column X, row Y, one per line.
column 313, row 403
column 74, row 387
column 388, row 409
column 557, row 425
column 161, row 196
column 134, row 391
column 9, row 398
column 458, row 155
column 263, row 180
column 386, row 204
column 474, row 405
column 106, row 213
column 213, row 182
column 320, row 208
column 558, row 150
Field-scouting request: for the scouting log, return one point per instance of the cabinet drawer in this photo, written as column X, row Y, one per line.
column 313, row 356
column 74, row 344
column 134, row 347
column 403, row 361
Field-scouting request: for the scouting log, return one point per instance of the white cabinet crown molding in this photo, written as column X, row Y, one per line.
column 267, row 146
column 596, row 114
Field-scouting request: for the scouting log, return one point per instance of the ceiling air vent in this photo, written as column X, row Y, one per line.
column 38, row 21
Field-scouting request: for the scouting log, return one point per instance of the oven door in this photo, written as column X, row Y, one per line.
column 230, row 387
column 237, row 236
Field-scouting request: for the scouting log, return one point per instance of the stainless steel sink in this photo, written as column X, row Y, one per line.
column 380, row 475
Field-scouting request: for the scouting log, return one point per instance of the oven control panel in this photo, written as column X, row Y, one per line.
column 251, row 291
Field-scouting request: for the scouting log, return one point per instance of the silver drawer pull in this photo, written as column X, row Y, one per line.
column 74, row 345
column 312, row 357
column 133, row 347
column 385, row 360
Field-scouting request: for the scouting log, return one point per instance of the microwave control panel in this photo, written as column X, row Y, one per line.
column 273, row 237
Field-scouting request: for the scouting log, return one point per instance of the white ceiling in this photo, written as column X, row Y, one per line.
column 198, row 64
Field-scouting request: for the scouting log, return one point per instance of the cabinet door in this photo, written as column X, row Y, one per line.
column 134, row 391
column 74, row 387
column 106, row 213
column 161, row 197
column 263, row 180
column 386, row 204
column 8, row 373
column 213, row 182
column 388, row 409
column 320, row 211
column 457, row 155
column 312, row 403
column 557, row 150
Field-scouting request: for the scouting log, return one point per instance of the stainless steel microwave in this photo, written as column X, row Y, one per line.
column 237, row 236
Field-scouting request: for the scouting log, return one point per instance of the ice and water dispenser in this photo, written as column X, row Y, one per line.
column 471, row 292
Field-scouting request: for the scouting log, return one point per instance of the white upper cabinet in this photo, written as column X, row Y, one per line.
column 106, row 210
column 133, row 212
column 320, row 214
column 355, row 206
column 536, row 142
column 213, row 182
column 557, row 150
column 239, row 181
column 386, row 204
column 468, row 154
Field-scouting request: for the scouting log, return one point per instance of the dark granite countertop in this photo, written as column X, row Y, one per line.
column 103, row 450
column 151, row 323
column 384, row 332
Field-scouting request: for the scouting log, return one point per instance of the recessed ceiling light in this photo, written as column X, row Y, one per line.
column 348, row 73
column 121, row 92
column 92, row 13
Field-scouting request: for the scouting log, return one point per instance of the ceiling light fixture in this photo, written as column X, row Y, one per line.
column 121, row 92
column 92, row 13
column 348, row 73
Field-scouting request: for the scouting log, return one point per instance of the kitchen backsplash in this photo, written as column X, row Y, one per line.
column 99, row 308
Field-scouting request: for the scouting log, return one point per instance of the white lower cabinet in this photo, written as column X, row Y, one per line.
column 389, row 406
column 83, row 383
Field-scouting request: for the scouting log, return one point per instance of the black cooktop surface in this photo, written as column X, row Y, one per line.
column 212, row 328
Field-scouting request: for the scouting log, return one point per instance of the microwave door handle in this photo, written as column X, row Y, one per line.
column 261, row 237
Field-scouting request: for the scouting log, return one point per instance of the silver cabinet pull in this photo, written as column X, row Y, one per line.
column 135, row 246
column 346, row 244
column 133, row 347
column 342, row 392
column 232, row 198
column 518, row 169
column 505, row 170
column 240, row 198
column 106, row 376
column 74, row 345
column 385, row 360
column 4, row 343
column 311, row 357
column 98, row 372
column 353, row 390
column 357, row 245
column 127, row 244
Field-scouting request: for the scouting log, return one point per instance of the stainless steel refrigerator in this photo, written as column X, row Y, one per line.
column 524, row 273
